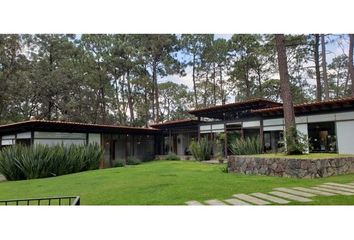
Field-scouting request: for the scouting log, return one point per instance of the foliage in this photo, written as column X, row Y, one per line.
column 172, row 156
column 224, row 169
column 28, row 162
column 132, row 160
column 201, row 150
column 296, row 142
column 119, row 163
column 113, row 78
column 246, row 146
column 218, row 150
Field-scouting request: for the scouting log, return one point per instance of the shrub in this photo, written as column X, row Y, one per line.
column 296, row 142
column 218, row 150
column 172, row 156
column 20, row 162
column 246, row 146
column 119, row 163
column 131, row 160
column 201, row 150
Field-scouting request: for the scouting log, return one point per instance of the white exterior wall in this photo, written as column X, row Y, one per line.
column 57, row 138
column 251, row 124
column 303, row 128
column 65, row 142
column 345, row 134
column 94, row 138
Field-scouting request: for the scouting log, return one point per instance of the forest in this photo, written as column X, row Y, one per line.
column 130, row 79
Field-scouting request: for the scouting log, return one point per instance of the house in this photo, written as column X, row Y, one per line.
column 329, row 126
column 118, row 142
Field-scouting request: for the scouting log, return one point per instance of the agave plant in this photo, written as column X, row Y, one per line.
column 201, row 150
column 28, row 162
column 246, row 146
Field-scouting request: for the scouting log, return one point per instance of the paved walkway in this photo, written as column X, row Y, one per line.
column 282, row 195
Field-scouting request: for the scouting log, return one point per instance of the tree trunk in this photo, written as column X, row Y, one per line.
column 317, row 68
column 286, row 95
column 194, row 85
column 205, row 95
column 153, row 91
column 223, row 99
column 350, row 61
column 324, row 67
column 130, row 99
column 156, row 90
column 214, row 83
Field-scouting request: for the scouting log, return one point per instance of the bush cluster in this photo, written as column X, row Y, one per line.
column 246, row 146
column 172, row 156
column 201, row 150
column 20, row 162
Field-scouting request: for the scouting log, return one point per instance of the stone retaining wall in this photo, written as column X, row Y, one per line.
column 289, row 167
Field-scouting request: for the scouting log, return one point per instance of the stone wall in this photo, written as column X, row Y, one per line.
column 291, row 167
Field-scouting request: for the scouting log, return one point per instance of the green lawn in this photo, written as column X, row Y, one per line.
column 160, row 183
column 303, row 156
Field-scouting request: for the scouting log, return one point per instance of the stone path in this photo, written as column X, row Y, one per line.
column 295, row 192
column 290, row 196
column 318, row 192
column 340, row 185
column 234, row 201
column 333, row 191
column 282, row 195
column 270, row 198
column 214, row 202
column 194, row 203
column 337, row 188
column 251, row 199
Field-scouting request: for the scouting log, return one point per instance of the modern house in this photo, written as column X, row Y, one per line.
column 329, row 126
column 118, row 142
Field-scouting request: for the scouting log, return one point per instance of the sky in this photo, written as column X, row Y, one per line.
column 336, row 45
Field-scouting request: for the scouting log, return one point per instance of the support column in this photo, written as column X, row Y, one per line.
column 225, row 140
column 261, row 135
column 169, row 142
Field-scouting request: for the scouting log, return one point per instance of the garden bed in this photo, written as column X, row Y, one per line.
column 297, row 166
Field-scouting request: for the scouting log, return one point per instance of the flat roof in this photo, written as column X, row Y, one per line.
column 219, row 111
column 313, row 106
column 63, row 126
column 176, row 123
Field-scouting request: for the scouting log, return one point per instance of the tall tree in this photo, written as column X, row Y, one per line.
column 286, row 95
column 324, row 67
column 350, row 61
column 160, row 50
column 317, row 67
column 194, row 45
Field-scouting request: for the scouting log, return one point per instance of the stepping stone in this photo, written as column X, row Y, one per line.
column 340, row 185
column 214, row 202
column 270, row 198
column 351, row 183
column 290, row 196
column 234, row 201
column 251, row 199
column 314, row 191
column 333, row 191
column 193, row 203
column 338, row 188
column 298, row 193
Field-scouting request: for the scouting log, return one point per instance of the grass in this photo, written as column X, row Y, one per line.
column 161, row 183
column 303, row 156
